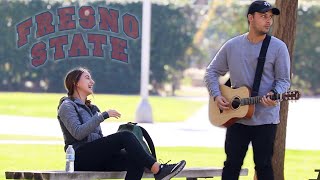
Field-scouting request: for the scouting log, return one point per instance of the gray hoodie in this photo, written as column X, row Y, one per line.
column 87, row 131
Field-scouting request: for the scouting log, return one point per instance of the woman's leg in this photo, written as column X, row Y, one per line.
column 122, row 162
column 103, row 154
column 98, row 155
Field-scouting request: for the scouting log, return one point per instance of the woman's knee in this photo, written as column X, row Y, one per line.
column 125, row 134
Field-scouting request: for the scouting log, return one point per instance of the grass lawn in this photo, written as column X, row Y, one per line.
column 165, row 109
column 29, row 138
column 299, row 165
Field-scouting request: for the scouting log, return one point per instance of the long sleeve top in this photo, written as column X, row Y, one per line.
column 239, row 57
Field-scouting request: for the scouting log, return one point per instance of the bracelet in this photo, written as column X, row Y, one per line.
column 105, row 115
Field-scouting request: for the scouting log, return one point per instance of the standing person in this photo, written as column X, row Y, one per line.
column 80, row 123
column 239, row 56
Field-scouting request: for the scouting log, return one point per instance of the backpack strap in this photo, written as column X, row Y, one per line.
column 149, row 141
column 259, row 69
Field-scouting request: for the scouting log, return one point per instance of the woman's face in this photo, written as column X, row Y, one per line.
column 85, row 84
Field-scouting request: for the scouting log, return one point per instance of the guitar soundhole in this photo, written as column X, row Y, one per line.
column 235, row 103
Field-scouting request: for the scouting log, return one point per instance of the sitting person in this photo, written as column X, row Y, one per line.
column 80, row 123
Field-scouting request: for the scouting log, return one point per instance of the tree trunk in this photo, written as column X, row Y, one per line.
column 284, row 28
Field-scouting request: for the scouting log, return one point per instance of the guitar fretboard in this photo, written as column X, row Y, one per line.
column 257, row 99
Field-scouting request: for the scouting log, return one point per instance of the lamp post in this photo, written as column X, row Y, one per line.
column 144, row 110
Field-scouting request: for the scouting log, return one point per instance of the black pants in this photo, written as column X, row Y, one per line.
column 106, row 154
column 238, row 137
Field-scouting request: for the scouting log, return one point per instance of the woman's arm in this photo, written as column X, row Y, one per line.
column 70, row 118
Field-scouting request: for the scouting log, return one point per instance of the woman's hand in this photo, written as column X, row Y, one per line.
column 113, row 113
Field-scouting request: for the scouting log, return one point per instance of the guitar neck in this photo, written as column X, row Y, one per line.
column 257, row 99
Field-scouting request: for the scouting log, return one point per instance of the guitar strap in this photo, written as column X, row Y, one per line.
column 259, row 70
column 260, row 65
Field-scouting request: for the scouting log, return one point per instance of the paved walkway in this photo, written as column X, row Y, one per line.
column 303, row 129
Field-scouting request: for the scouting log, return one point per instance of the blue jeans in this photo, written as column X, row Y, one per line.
column 238, row 137
column 106, row 154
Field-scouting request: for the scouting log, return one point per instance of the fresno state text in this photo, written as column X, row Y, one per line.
column 67, row 33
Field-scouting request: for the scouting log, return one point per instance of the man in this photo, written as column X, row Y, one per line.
column 239, row 56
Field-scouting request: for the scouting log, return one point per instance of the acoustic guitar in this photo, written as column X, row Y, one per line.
column 241, row 104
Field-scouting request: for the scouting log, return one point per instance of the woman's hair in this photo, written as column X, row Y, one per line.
column 71, row 79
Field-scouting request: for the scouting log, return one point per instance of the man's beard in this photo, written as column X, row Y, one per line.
column 260, row 32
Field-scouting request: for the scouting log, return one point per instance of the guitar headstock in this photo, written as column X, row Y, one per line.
column 291, row 95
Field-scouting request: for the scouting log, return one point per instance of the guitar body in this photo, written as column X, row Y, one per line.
column 226, row 118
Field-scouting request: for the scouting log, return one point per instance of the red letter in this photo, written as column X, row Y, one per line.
column 109, row 19
column 38, row 54
column 57, row 43
column 87, row 17
column 118, row 47
column 130, row 26
column 23, row 30
column 78, row 47
column 65, row 18
column 97, row 40
column 44, row 24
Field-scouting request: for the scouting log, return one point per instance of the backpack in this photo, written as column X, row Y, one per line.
column 141, row 134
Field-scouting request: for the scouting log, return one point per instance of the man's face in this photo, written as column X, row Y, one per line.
column 261, row 22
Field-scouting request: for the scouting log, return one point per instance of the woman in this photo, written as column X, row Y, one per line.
column 80, row 123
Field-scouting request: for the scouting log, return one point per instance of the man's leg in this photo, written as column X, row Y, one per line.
column 262, row 143
column 236, row 146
